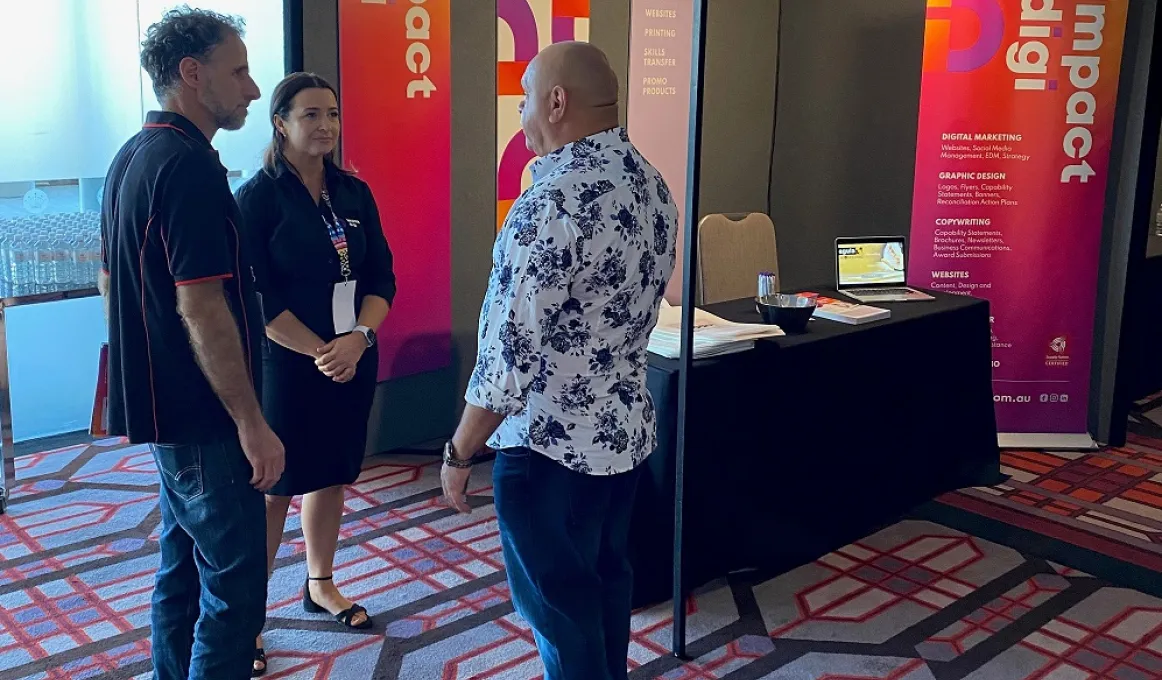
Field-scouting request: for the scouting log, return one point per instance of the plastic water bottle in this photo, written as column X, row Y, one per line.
column 61, row 270
column 42, row 258
column 22, row 264
column 6, row 258
column 95, row 257
column 89, row 242
column 87, row 255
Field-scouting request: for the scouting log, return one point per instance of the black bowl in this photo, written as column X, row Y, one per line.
column 789, row 312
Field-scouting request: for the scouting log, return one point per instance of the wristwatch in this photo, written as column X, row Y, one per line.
column 452, row 461
column 368, row 334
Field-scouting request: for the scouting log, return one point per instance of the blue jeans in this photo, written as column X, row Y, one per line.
column 565, row 537
column 209, row 600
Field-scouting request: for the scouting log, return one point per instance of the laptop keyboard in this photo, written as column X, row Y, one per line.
column 879, row 291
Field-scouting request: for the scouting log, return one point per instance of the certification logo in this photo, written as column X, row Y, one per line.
column 1058, row 352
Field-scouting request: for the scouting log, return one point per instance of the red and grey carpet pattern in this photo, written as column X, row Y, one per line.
column 916, row 601
column 1108, row 501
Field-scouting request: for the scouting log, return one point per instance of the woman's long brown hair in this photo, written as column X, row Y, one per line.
column 280, row 105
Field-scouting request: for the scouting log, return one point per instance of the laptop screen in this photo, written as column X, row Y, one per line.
column 870, row 262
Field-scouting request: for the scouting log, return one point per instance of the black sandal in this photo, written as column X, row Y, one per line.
column 344, row 617
column 259, row 658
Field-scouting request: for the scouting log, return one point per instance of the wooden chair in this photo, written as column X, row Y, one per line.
column 733, row 249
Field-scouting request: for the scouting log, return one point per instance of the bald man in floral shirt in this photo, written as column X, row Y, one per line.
column 559, row 388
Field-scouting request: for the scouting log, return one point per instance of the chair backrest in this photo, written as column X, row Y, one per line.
column 733, row 248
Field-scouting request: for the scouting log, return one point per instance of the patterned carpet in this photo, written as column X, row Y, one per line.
column 1108, row 501
column 917, row 601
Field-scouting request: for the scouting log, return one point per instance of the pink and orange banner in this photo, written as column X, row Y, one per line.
column 395, row 73
column 523, row 28
column 1013, row 153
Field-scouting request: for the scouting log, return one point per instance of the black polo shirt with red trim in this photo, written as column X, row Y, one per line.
column 168, row 219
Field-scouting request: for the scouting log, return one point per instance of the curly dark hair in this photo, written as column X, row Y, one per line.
column 181, row 33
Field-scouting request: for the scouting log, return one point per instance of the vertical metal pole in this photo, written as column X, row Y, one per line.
column 7, row 441
column 686, row 356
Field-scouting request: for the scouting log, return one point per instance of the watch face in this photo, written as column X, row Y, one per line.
column 370, row 336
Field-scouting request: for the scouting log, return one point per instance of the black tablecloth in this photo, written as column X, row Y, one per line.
column 810, row 441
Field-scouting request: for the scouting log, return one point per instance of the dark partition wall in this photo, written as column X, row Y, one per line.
column 1125, row 225
column 1140, row 367
column 1147, row 380
column 320, row 42
column 609, row 30
column 1147, row 347
column 473, row 194
column 845, row 144
column 742, row 45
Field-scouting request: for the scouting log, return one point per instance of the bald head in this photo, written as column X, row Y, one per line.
column 570, row 93
column 579, row 68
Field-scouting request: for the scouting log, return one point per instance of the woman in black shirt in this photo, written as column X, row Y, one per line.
column 325, row 279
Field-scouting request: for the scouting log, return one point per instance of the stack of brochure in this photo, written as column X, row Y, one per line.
column 713, row 336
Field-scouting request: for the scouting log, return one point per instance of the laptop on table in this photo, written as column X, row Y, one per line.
column 874, row 269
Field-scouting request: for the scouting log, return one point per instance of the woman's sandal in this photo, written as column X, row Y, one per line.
column 259, row 658
column 344, row 617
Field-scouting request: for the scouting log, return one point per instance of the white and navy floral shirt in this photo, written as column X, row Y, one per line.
column 578, row 273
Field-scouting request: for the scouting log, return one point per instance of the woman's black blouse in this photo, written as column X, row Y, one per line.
column 296, row 264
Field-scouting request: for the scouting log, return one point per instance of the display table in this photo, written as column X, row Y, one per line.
column 810, row 441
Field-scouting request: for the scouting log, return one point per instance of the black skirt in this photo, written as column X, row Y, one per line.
column 322, row 423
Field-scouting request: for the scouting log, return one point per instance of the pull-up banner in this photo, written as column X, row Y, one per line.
column 395, row 81
column 1013, row 154
column 523, row 28
column 661, row 47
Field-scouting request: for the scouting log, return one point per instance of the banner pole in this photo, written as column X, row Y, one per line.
column 689, row 281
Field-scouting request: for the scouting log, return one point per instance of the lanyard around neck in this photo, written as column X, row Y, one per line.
column 338, row 236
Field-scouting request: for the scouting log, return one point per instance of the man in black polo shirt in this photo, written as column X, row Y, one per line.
column 184, row 334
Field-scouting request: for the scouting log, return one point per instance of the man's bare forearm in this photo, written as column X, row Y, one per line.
column 218, row 348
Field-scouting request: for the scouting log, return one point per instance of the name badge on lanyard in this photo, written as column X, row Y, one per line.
column 343, row 296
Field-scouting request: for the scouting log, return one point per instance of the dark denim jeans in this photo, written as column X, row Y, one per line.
column 209, row 601
column 565, row 537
